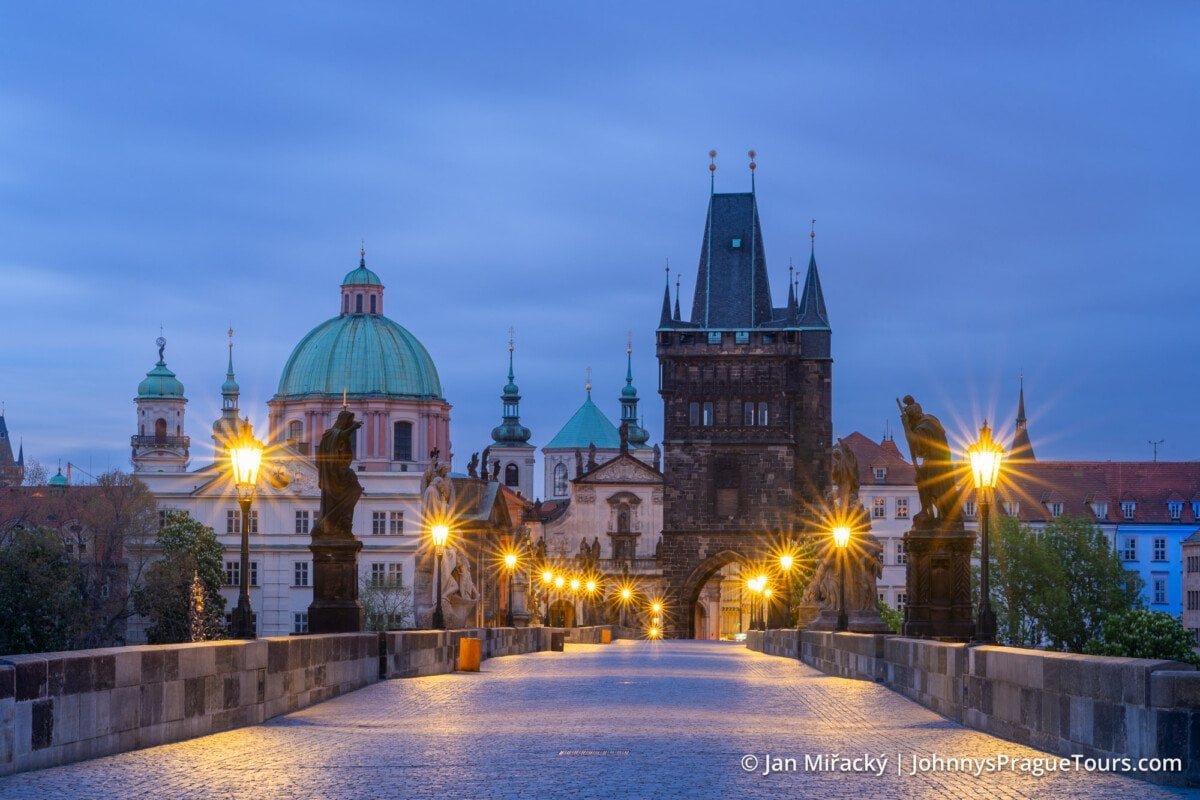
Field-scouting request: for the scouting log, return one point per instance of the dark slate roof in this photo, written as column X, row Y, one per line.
column 732, row 290
column 812, row 313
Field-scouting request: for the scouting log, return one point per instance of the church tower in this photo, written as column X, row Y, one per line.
column 12, row 470
column 747, row 408
column 225, row 429
column 160, row 444
column 636, row 435
column 1022, row 448
column 511, row 447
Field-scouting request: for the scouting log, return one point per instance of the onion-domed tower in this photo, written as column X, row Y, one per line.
column 511, row 448
column 378, row 370
column 160, row 444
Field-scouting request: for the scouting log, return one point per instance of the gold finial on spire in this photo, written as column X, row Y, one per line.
column 812, row 229
column 712, row 160
column 753, row 155
column 511, row 338
column 588, row 386
column 229, row 333
column 628, row 342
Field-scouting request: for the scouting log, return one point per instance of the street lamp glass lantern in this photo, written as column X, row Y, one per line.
column 558, row 581
column 985, row 457
column 590, row 586
column 440, row 534
column 841, row 535
column 547, row 577
column 510, row 561
column 785, row 562
column 245, row 458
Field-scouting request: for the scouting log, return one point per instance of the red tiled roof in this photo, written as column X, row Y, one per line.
column 872, row 454
column 1151, row 485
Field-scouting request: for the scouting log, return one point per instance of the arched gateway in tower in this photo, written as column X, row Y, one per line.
column 747, row 424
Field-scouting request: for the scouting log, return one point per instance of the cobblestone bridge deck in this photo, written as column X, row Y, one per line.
column 633, row 719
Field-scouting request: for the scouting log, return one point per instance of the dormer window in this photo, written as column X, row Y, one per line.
column 1100, row 510
column 1012, row 508
column 1175, row 510
column 741, row 337
column 714, row 337
column 737, row 243
column 1128, row 509
column 881, row 473
column 1196, row 509
column 1055, row 508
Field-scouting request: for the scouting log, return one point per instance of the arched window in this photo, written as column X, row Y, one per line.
column 372, row 304
column 402, row 441
column 160, row 430
column 345, row 304
column 623, row 519
column 560, row 480
column 295, row 430
column 512, row 475
column 358, row 304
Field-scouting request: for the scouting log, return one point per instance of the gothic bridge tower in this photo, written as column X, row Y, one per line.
column 746, row 409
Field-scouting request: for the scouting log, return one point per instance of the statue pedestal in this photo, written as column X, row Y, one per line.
column 825, row 620
column 866, row 622
column 938, row 575
column 335, row 607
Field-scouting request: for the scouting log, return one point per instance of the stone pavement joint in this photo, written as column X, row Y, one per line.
column 666, row 719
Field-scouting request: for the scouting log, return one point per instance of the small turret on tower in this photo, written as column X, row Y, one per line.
column 511, row 447
column 226, row 427
column 160, row 444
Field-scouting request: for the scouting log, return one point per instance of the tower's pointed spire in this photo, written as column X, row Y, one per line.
column 678, row 316
column 812, row 311
column 510, row 432
column 1021, row 421
column 21, row 454
column 634, row 433
column 1022, row 447
column 665, row 318
column 791, row 301
column 362, row 255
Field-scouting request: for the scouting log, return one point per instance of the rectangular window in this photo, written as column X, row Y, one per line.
column 714, row 337
column 1193, row 600
column 736, row 243
column 901, row 553
column 301, row 625
column 1100, row 510
column 693, row 414
column 969, row 509
column 1196, row 510
column 254, row 573
column 708, row 414
column 901, row 508
column 1160, row 549
column 1129, row 551
column 879, row 509
column 901, row 600
column 1128, row 508
column 378, row 573
column 1175, row 510
column 233, row 573
column 1056, row 509
column 1012, row 508
column 378, row 523
column 395, row 574
column 300, row 573
column 768, row 338
column 763, row 418
column 1159, row 582
column 748, row 409
column 1193, row 563
column 233, row 521
column 741, row 337
column 396, row 523
column 303, row 522
column 162, row 519
column 880, row 473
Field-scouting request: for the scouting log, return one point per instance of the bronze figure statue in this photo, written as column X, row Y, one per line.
column 340, row 488
column 930, row 451
column 845, row 473
column 473, row 466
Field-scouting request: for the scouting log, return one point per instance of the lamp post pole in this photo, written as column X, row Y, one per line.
column 244, row 626
column 439, row 621
column 985, row 624
column 510, row 561
column 842, row 622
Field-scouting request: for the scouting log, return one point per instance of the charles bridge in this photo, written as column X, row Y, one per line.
column 387, row 715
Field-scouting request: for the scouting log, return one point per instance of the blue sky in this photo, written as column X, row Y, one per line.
column 998, row 188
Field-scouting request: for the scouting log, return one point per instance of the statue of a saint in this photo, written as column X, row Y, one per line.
column 591, row 462
column 657, row 458
column 340, row 488
column 473, row 466
column 437, row 492
column 845, row 474
column 931, row 456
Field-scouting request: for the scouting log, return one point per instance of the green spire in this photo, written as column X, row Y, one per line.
column 510, row 432
column 629, row 402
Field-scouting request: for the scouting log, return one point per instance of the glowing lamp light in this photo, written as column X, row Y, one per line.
column 841, row 535
column 558, row 581
column 510, row 561
column 656, row 607
column 626, row 594
column 547, row 576
column 245, row 457
column 590, row 586
column 767, row 592
column 574, row 584
column 985, row 457
column 786, row 561
column 440, row 534
column 653, row 633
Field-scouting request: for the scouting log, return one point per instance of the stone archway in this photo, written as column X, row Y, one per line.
column 682, row 623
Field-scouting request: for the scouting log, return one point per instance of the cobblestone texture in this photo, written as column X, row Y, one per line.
column 633, row 719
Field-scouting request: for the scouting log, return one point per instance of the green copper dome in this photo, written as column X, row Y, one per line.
column 587, row 426
column 160, row 381
column 364, row 354
column 59, row 480
column 361, row 276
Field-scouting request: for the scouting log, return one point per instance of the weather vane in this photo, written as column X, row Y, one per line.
column 511, row 341
column 588, row 385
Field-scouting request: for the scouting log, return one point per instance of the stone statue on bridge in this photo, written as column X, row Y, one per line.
column 335, row 607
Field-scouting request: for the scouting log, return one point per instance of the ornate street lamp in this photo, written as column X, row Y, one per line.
column 547, row 580
column 762, row 588
column 440, row 533
column 985, row 457
column 245, row 457
column 589, row 588
column 559, row 582
column 841, row 539
column 625, row 597
column 767, row 592
column 510, row 563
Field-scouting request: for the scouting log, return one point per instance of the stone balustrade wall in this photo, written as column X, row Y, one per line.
column 1064, row 703
column 56, row 708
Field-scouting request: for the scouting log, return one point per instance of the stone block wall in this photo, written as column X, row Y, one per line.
column 1063, row 703
column 56, row 708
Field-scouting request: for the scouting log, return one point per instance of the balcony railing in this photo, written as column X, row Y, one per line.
column 174, row 442
column 615, row 565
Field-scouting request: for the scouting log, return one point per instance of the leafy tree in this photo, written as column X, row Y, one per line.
column 892, row 617
column 387, row 603
column 1057, row 584
column 191, row 553
column 40, row 592
column 1140, row 633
